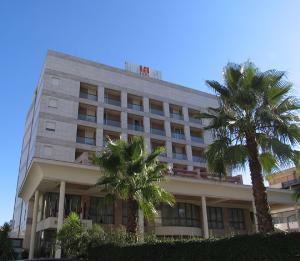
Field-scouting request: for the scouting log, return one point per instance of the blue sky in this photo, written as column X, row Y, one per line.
column 189, row 41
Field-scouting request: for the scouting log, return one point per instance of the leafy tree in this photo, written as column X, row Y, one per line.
column 256, row 123
column 130, row 174
column 6, row 248
column 70, row 236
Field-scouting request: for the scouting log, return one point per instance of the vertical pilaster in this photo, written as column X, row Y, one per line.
column 166, row 109
column 124, row 99
column 34, row 223
column 169, row 149
column 101, row 94
column 100, row 115
column 185, row 112
column 204, row 217
column 146, row 104
column 60, row 218
column 124, row 120
column 99, row 137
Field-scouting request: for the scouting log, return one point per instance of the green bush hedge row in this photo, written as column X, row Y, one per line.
column 274, row 247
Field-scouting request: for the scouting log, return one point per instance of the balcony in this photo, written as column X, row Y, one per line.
column 157, row 111
column 110, row 136
column 84, row 117
column 86, row 140
column 176, row 116
column 84, row 157
column 197, row 139
column 179, row 156
column 205, row 176
column 193, row 114
column 135, row 127
column 178, row 136
column 199, row 159
column 159, row 132
column 88, row 96
column 136, row 107
column 113, row 123
column 157, row 144
column 290, row 183
column 111, row 101
column 134, row 102
column 88, row 91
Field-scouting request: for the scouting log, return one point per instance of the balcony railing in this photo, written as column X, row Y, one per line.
column 135, row 127
column 85, row 117
column 290, row 183
column 157, row 131
column 195, row 120
column 157, row 111
column 199, row 159
column 197, row 139
column 86, row 140
column 176, row 116
column 112, row 101
column 206, row 176
column 112, row 123
column 178, row 136
column 179, row 156
column 88, row 96
column 136, row 107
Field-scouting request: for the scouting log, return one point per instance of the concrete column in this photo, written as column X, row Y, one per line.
column 255, row 217
column 188, row 152
column 166, row 109
column 124, row 99
column 101, row 94
column 124, row 136
column 99, row 137
column 146, row 104
column 60, row 218
column 169, row 149
column 187, row 133
column 147, row 142
column 141, row 224
column 297, row 217
column 124, row 120
column 185, row 112
column 33, row 226
column 100, row 115
column 204, row 217
column 167, row 129
column 147, row 124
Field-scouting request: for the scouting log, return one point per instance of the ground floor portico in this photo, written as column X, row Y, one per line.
column 203, row 208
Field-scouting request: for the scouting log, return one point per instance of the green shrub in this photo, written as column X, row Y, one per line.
column 258, row 247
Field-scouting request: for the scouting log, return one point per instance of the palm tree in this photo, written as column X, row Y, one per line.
column 131, row 175
column 256, row 123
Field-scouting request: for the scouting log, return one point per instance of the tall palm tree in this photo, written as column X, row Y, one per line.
column 256, row 123
column 130, row 174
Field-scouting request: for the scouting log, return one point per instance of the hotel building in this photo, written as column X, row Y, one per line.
column 77, row 106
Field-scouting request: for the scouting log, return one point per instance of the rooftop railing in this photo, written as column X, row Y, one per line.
column 86, row 117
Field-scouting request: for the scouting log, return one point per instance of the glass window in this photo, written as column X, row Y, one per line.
column 72, row 204
column 236, row 218
column 182, row 214
column 101, row 211
column 215, row 218
column 50, row 208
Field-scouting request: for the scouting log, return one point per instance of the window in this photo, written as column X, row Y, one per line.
column 215, row 218
column 50, row 206
column 50, row 126
column 72, row 204
column 236, row 218
column 52, row 103
column 182, row 214
column 101, row 211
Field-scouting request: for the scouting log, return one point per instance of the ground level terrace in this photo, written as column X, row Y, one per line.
column 203, row 207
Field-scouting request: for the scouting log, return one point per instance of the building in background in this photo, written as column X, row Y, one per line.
column 78, row 105
column 285, row 179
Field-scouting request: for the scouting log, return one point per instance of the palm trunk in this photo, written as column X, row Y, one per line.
column 264, row 219
column 132, row 215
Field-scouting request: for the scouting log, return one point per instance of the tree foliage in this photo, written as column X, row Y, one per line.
column 256, row 123
column 132, row 175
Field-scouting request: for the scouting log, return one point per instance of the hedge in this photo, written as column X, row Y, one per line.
column 257, row 247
